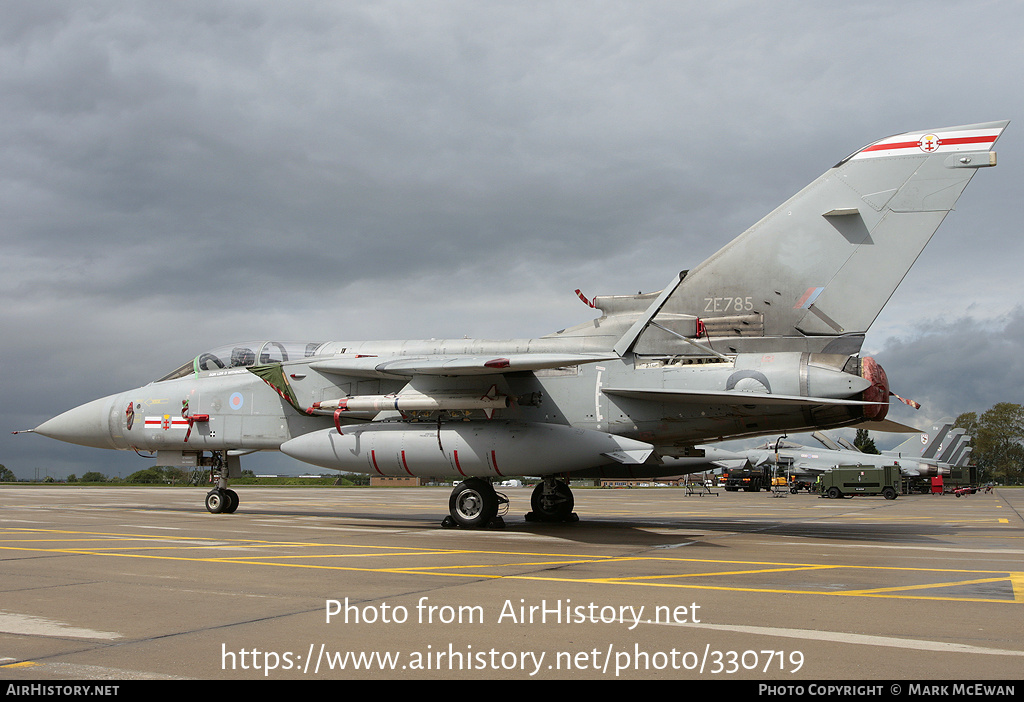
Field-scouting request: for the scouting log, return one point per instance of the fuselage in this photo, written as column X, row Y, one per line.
column 218, row 403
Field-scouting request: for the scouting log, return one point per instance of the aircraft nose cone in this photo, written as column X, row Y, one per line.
column 87, row 425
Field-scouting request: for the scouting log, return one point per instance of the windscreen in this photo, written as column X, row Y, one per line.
column 244, row 355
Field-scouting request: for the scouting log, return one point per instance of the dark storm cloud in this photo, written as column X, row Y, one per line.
column 959, row 365
column 180, row 175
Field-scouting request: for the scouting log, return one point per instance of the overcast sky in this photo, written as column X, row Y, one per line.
column 178, row 176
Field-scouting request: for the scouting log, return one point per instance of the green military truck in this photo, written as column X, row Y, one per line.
column 850, row 480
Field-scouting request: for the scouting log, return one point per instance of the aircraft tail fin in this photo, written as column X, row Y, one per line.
column 947, row 451
column 819, row 268
column 827, row 441
column 961, row 457
column 925, row 445
column 846, row 444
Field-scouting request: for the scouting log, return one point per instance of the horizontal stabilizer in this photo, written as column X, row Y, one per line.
column 405, row 366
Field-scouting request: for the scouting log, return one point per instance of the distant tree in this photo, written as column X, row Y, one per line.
column 175, row 474
column 6, row 475
column 94, row 477
column 72, row 478
column 147, row 475
column 864, row 442
column 158, row 474
column 998, row 441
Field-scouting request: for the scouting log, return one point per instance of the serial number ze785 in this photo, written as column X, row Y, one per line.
column 729, row 304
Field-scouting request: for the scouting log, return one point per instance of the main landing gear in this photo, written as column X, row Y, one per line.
column 474, row 504
column 552, row 501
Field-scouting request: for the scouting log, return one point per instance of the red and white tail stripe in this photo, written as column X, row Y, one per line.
column 948, row 141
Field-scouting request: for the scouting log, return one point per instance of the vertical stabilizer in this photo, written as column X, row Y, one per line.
column 961, row 457
column 817, row 271
column 948, row 450
column 926, row 444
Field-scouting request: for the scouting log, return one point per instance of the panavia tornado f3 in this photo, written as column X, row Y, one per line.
column 764, row 337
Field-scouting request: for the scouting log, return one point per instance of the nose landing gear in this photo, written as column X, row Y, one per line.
column 221, row 499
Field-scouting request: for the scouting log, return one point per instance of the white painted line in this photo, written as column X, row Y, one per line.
column 860, row 639
column 71, row 671
column 38, row 626
column 943, row 549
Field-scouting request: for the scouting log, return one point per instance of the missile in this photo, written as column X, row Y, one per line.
column 412, row 402
column 464, row 449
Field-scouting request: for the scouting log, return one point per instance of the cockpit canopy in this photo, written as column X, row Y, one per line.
column 244, row 355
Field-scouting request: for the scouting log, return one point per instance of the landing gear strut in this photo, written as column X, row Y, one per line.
column 221, row 499
column 552, row 501
column 474, row 504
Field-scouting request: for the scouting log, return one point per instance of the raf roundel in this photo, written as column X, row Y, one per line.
column 236, row 401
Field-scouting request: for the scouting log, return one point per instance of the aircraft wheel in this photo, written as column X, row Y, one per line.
column 889, row 493
column 554, row 506
column 473, row 503
column 217, row 501
column 232, row 501
column 834, row 493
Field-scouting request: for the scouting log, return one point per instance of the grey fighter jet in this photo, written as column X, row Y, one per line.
column 762, row 338
column 931, row 453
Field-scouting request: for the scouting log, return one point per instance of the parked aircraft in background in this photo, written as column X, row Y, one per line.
column 763, row 337
column 932, row 453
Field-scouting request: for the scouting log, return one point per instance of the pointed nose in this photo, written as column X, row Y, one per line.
column 87, row 425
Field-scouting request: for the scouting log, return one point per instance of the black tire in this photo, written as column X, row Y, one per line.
column 555, row 507
column 834, row 493
column 216, row 501
column 889, row 493
column 232, row 497
column 473, row 503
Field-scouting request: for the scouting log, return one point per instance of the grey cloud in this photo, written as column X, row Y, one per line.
column 181, row 175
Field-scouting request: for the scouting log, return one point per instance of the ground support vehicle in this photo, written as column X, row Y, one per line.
column 850, row 480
